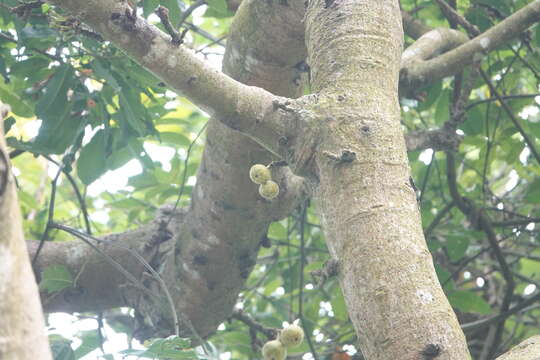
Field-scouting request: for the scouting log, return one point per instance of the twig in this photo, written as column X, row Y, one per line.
column 184, row 174
column 483, row 222
column 510, row 113
column 203, row 33
column 453, row 15
column 478, row 324
column 185, row 14
column 517, row 222
column 50, row 215
column 301, row 285
column 78, row 194
column 240, row 315
column 440, row 215
column 519, row 96
column 163, row 13
column 11, row 39
column 138, row 257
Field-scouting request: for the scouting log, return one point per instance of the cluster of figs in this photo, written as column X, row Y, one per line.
column 260, row 174
column 291, row 336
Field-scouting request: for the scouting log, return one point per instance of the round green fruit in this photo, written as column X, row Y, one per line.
column 292, row 335
column 259, row 174
column 269, row 190
column 274, row 350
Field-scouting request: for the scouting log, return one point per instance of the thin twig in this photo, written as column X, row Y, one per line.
column 440, row 215
column 510, row 113
column 240, row 315
column 478, row 324
column 50, row 215
column 301, row 285
column 453, row 15
column 184, row 174
column 163, row 13
column 147, row 266
column 185, row 14
column 519, row 96
column 78, row 194
column 483, row 222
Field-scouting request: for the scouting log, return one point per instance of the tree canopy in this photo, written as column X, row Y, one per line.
column 100, row 143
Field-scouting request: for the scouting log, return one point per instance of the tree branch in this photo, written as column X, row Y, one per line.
column 413, row 27
column 206, row 264
column 241, row 107
column 526, row 350
column 419, row 74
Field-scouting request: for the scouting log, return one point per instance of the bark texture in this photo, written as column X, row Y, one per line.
column 346, row 140
column 22, row 334
column 452, row 62
column 368, row 208
column 215, row 242
column 526, row 350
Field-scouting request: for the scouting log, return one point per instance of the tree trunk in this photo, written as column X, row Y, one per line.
column 367, row 205
column 22, row 333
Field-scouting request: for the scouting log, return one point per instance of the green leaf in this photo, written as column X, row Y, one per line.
column 54, row 99
column 456, row 246
column 339, row 307
column 61, row 348
column 3, row 70
column 55, row 278
column 149, row 6
column 442, row 110
column 8, row 123
column 59, row 127
column 92, row 163
column 533, row 193
column 444, row 275
column 217, row 9
column 90, row 341
column 175, row 139
column 174, row 11
column 432, row 94
column 468, row 301
column 130, row 111
column 172, row 348
column 36, row 36
column 474, row 121
column 19, row 106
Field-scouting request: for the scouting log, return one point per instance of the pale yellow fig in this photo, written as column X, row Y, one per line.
column 269, row 190
column 291, row 336
column 259, row 174
column 274, row 350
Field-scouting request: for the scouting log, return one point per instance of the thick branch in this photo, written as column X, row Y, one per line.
column 440, row 139
column 432, row 43
column 208, row 263
column 413, row 27
column 239, row 106
column 526, row 350
column 452, row 62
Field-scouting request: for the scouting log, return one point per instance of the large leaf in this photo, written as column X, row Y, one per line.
column 55, row 278
column 172, row 348
column 90, row 341
column 59, row 127
column 18, row 105
column 92, row 162
column 61, row 348
column 468, row 301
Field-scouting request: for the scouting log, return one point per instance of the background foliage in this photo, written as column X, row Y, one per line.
column 85, row 118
